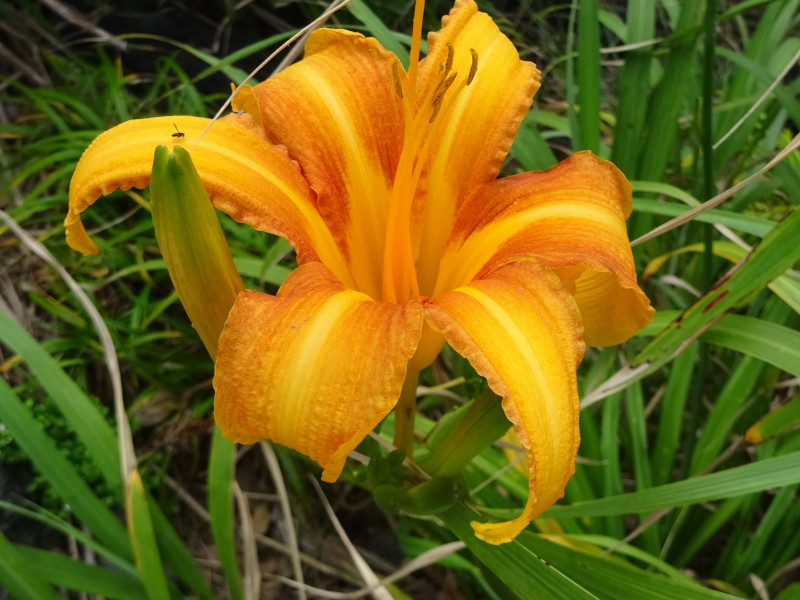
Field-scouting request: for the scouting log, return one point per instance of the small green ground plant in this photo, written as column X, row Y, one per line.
column 689, row 464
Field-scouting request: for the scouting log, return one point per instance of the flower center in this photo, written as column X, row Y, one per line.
column 400, row 281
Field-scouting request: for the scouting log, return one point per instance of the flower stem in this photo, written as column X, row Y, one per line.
column 404, row 414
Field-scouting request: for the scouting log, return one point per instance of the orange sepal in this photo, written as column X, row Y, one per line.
column 245, row 176
column 521, row 329
column 571, row 219
column 314, row 368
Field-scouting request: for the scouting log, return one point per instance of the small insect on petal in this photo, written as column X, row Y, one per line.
column 474, row 67
column 178, row 133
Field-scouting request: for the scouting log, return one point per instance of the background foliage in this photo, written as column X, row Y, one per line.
column 690, row 461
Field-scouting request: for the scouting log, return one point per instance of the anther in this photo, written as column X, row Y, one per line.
column 443, row 86
column 474, row 67
column 438, row 97
column 437, row 106
column 449, row 64
column 398, row 87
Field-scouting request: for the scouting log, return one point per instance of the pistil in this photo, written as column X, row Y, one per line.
column 400, row 281
column 399, row 272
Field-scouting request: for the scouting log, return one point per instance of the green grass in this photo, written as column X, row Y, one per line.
column 668, row 501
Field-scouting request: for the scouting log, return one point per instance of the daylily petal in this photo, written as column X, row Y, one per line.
column 314, row 368
column 521, row 329
column 571, row 218
column 339, row 114
column 472, row 134
column 244, row 175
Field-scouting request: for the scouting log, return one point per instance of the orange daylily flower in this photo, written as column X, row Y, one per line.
column 385, row 183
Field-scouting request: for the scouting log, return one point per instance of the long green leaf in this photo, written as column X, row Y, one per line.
column 220, row 507
column 44, row 454
column 534, row 567
column 612, row 579
column 772, row 343
column 143, row 540
column 80, row 412
column 672, row 409
column 521, row 570
column 62, row 571
column 18, row 578
column 776, row 253
column 589, row 75
column 744, row 223
column 756, row 477
column 634, row 80
column 176, row 554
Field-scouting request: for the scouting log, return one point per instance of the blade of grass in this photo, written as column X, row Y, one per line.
column 520, row 569
column 786, row 287
column 530, row 148
column 124, row 442
column 728, row 337
column 589, row 76
column 670, row 423
column 709, row 525
column 81, row 536
column 779, row 421
column 776, row 253
column 143, row 540
column 637, row 426
column 634, row 80
column 534, row 567
column 176, row 554
column 756, row 477
column 773, row 518
column 44, row 454
column 776, row 344
column 612, row 472
column 18, row 578
column 62, row 571
column 220, row 508
column 610, row 578
column 718, row 199
column 668, row 98
column 80, row 412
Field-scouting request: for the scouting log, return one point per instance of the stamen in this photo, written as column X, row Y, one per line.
column 438, row 97
column 474, row 67
column 449, row 63
column 443, row 86
column 398, row 87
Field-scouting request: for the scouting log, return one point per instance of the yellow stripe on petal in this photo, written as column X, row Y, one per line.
column 314, row 368
column 521, row 329
column 571, row 219
column 476, row 125
column 244, row 175
column 247, row 101
column 339, row 114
